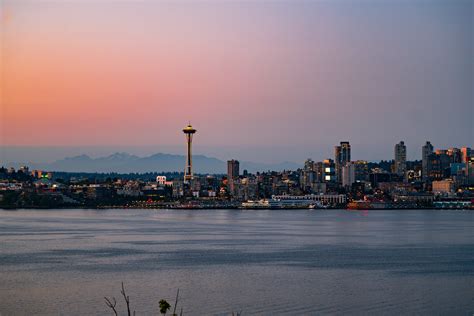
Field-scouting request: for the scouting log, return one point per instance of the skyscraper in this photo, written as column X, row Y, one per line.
column 468, row 159
column 455, row 155
column 466, row 152
column 426, row 151
column 329, row 170
column 308, row 175
column 232, row 169
column 400, row 158
column 342, row 155
column 189, row 131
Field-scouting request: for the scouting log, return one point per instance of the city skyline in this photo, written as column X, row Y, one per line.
column 317, row 72
column 231, row 157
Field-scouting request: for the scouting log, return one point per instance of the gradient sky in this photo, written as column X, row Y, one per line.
column 273, row 80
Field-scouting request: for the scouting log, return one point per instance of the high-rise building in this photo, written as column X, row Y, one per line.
column 426, row 151
column 318, row 171
column 232, row 169
column 189, row 131
column 455, row 155
column 470, row 171
column 308, row 175
column 342, row 155
column 466, row 153
column 438, row 165
column 309, row 165
column 400, row 159
column 348, row 174
column 354, row 171
column 329, row 172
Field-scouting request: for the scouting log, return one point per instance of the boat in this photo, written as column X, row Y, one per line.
column 279, row 203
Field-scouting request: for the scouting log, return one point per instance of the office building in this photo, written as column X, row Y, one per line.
column 455, row 155
column 329, row 170
column 426, row 151
column 232, row 169
column 443, row 186
column 466, row 153
column 342, row 155
column 400, row 163
column 354, row 171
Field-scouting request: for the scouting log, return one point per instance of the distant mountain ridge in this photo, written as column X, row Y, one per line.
column 122, row 162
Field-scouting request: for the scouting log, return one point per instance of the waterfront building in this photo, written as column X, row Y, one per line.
column 97, row 191
column 326, row 199
column 445, row 186
column 422, row 199
column 245, row 189
column 426, row 151
column 318, row 187
column 400, row 164
column 189, row 131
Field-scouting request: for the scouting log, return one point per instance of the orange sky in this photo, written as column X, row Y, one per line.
column 123, row 72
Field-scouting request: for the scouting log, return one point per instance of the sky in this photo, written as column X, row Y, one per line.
column 266, row 81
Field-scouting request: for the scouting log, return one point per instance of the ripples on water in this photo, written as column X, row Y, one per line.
column 63, row 262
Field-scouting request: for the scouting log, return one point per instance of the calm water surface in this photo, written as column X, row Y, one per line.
column 63, row 262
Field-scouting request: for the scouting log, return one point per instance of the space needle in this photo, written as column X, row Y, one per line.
column 188, row 171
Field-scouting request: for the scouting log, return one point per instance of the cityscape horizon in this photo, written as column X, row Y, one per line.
column 48, row 154
column 242, row 157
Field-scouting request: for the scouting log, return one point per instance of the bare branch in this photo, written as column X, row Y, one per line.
column 127, row 300
column 111, row 304
column 175, row 303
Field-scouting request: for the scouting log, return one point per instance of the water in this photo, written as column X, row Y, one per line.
column 63, row 262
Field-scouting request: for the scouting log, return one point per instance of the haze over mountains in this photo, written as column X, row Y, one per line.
column 122, row 162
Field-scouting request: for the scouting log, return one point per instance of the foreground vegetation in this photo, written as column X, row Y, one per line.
column 163, row 305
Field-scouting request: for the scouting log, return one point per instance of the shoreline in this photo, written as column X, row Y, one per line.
column 123, row 207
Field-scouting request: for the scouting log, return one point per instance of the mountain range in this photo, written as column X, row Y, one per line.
column 126, row 163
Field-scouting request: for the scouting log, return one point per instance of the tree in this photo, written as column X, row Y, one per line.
column 164, row 306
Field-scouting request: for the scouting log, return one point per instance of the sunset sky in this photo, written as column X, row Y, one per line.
column 273, row 80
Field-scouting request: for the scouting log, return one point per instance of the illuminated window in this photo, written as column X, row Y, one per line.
column 328, row 177
column 328, row 169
